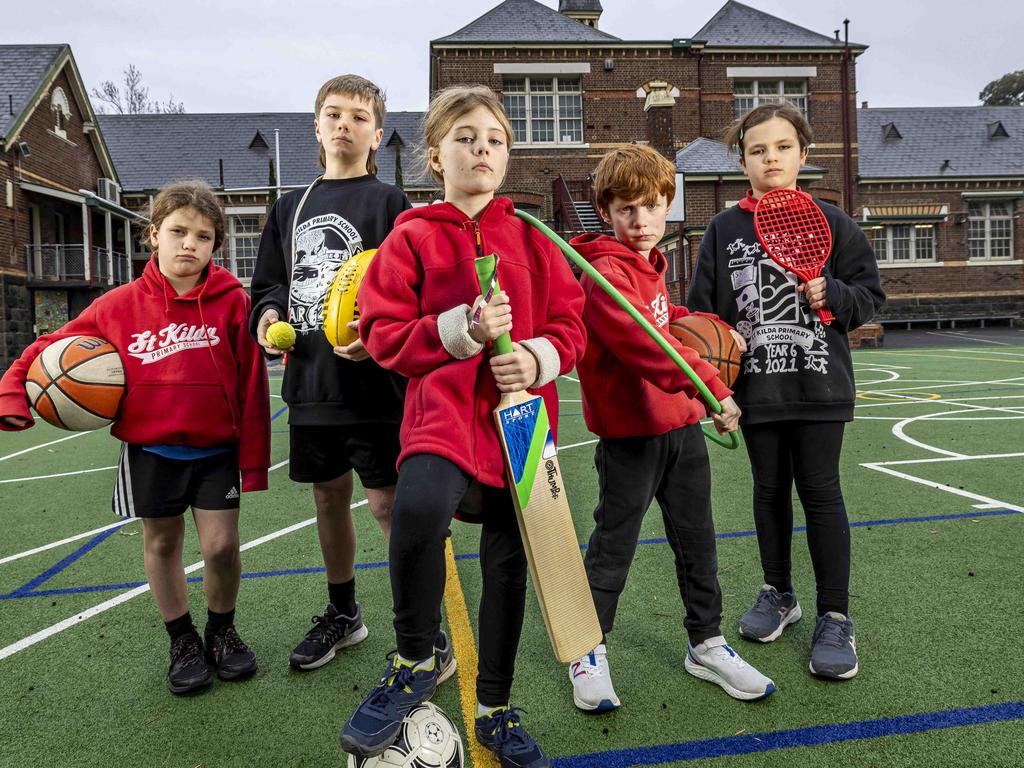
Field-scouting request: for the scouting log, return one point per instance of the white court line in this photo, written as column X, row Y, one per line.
column 44, row 445
column 68, row 540
column 968, row 338
column 570, row 378
column 124, row 597
column 59, row 474
column 576, row 445
column 567, row 400
column 943, row 487
column 945, row 458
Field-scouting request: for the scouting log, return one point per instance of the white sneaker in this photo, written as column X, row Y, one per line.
column 592, row 683
column 715, row 661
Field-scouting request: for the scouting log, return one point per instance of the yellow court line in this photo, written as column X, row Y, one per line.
column 464, row 647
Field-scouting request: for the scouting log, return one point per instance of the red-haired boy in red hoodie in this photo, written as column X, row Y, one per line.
column 645, row 412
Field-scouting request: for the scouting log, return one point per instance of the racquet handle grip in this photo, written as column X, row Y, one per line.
column 825, row 316
column 485, row 272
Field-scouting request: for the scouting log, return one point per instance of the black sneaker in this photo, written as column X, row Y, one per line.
column 331, row 632
column 188, row 670
column 227, row 653
column 771, row 613
column 444, row 657
column 834, row 647
column 503, row 734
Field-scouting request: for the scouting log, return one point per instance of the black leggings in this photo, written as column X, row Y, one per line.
column 428, row 493
column 807, row 452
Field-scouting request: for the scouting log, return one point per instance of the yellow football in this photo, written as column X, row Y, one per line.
column 340, row 305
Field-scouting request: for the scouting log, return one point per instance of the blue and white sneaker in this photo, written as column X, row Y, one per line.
column 375, row 724
column 502, row 732
column 834, row 647
column 592, row 689
column 714, row 661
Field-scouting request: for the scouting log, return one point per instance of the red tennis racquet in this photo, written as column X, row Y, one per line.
column 794, row 232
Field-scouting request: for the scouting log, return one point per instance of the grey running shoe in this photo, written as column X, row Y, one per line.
column 834, row 647
column 771, row 614
column 331, row 632
column 444, row 655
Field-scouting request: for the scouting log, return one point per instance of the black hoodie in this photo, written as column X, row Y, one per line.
column 795, row 367
column 340, row 217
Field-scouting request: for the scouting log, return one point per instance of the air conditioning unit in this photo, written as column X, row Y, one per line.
column 109, row 190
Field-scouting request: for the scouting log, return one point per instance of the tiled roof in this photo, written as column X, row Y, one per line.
column 22, row 68
column 589, row 6
column 940, row 142
column 738, row 25
column 151, row 150
column 525, row 21
column 707, row 156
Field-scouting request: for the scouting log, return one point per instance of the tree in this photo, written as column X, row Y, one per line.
column 1007, row 91
column 134, row 100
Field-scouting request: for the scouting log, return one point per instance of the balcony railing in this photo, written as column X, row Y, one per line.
column 66, row 263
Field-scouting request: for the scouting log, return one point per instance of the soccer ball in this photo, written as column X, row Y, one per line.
column 428, row 739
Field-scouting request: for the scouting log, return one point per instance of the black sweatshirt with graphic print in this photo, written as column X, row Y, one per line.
column 795, row 368
column 340, row 217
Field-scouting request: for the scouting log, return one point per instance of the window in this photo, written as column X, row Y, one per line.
column 748, row 94
column 243, row 242
column 670, row 250
column 61, row 111
column 904, row 243
column 990, row 235
column 544, row 110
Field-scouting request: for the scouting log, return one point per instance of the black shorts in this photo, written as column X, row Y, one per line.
column 321, row 454
column 150, row 485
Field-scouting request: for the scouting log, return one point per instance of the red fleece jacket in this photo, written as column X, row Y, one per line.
column 194, row 375
column 631, row 388
column 425, row 268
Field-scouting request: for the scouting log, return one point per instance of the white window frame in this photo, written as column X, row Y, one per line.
column 885, row 236
column 979, row 212
column 229, row 256
column 527, row 113
column 61, row 111
column 756, row 98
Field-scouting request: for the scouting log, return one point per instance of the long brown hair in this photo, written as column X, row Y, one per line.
column 189, row 193
column 360, row 87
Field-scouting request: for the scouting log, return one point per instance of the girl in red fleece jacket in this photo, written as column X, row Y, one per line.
column 423, row 317
column 195, row 416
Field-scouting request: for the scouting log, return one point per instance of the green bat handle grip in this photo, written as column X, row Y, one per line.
column 484, row 273
column 729, row 440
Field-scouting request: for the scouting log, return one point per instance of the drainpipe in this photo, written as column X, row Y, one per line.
column 847, row 139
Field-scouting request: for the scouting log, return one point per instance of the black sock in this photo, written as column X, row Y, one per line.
column 218, row 622
column 343, row 596
column 180, row 626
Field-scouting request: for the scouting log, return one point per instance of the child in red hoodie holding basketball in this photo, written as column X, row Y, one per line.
column 194, row 421
column 645, row 411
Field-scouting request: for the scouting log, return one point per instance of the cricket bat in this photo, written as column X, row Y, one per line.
column 542, row 509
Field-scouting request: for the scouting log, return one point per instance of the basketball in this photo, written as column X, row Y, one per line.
column 77, row 383
column 712, row 341
column 340, row 305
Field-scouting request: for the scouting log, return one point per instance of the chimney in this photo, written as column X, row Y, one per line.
column 863, row 105
column 584, row 11
column 660, row 99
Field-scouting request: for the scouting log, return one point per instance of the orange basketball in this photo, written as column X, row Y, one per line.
column 712, row 341
column 77, row 383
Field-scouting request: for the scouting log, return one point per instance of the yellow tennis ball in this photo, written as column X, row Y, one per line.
column 281, row 335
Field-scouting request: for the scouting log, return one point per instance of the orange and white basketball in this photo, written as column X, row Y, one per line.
column 77, row 383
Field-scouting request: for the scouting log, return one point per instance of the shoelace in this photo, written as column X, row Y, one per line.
column 232, row 642
column 832, row 632
column 769, row 596
column 726, row 654
column 591, row 670
column 510, row 728
column 395, row 679
column 323, row 628
column 188, row 651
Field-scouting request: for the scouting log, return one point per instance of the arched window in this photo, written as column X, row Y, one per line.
column 61, row 111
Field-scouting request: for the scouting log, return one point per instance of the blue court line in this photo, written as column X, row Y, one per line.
column 29, row 586
column 475, row 555
column 814, row 736
column 283, row 409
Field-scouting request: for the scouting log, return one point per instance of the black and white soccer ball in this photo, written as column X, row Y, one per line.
column 428, row 739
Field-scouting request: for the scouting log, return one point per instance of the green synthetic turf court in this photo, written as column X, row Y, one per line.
column 933, row 483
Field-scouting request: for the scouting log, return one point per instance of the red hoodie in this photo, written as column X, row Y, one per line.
column 631, row 388
column 181, row 388
column 424, row 269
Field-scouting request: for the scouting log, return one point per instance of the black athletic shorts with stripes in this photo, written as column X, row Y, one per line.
column 321, row 454
column 150, row 485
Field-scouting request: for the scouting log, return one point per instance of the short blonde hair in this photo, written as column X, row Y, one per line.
column 191, row 193
column 449, row 105
column 360, row 87
column 635, row 172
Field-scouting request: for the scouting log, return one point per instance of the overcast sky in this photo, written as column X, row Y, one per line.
column 272, row 55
